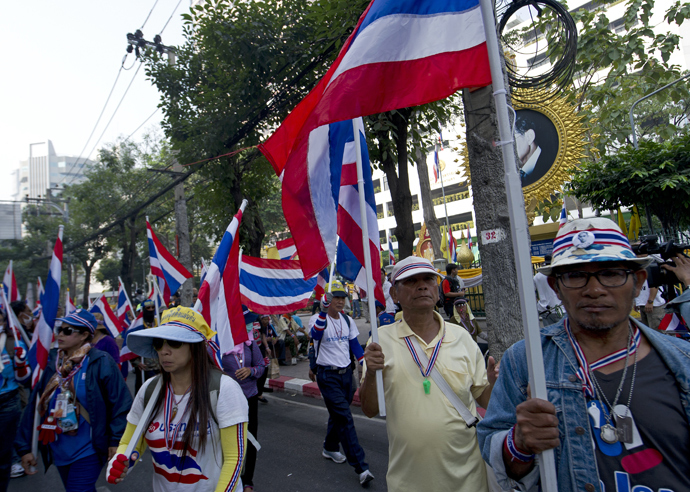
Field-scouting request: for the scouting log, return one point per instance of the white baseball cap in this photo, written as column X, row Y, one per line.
column 412, row 265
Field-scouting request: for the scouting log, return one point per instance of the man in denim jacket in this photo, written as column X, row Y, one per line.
column 591, row 361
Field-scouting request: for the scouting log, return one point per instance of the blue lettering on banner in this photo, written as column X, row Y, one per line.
column 623, row 485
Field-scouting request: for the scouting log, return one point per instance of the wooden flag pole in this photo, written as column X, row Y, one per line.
column 520, row 238
column 367, row 260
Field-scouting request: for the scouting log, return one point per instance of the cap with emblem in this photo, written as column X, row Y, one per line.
column 588, row 241
column 412, row 265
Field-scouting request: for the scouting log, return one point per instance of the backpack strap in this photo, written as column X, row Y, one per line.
column 149, row 389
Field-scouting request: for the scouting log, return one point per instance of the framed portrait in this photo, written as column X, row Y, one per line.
column 548, row 140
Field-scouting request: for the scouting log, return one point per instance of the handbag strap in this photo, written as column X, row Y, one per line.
column 467, row 416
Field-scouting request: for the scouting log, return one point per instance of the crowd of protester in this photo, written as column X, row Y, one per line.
column 456, row 419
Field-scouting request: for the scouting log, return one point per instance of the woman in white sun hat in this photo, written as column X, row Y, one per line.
column 194, row 395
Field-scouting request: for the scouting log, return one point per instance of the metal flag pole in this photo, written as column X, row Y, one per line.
column 520, row 238
column 367, row 259
column 335, row 259
column 443, row 190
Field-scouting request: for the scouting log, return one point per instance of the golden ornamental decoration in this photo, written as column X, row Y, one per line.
column 465, row 255
column 549, row 138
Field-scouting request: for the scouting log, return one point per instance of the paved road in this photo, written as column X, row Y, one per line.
column 291, row 432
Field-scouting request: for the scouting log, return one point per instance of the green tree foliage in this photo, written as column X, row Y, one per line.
column 243, row 66
column 657, row 177
column 619, row 61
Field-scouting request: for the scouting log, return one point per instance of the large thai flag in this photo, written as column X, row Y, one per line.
column 137, row 324
column 219, row 296
column 9, row 283
column 170, row 272
column 43, row 334
column 342, row 156
column 401, row 53
column 123, row 304
column 110, row 320
column 274, row 286
column 286, row 249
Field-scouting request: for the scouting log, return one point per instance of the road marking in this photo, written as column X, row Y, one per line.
column 302, row 404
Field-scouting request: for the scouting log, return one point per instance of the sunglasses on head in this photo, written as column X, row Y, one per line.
column 68, row 330
column 158, row 344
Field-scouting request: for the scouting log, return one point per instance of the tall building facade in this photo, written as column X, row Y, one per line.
column 46, row 170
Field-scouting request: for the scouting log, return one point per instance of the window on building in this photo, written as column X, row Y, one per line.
column 379, row 211
column 377, row 186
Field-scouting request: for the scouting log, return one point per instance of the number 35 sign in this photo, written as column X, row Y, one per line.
column 493, row 236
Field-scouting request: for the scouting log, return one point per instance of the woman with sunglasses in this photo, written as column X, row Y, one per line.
column 194, row 395
column 83, row 403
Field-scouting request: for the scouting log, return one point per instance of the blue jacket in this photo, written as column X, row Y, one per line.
column 108, row 402
column 575, row 459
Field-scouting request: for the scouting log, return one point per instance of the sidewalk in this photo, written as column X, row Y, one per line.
column 295, row 378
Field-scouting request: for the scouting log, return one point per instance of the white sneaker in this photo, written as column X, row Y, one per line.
column 294, row 361
column 302, row 357
column 335, row 456
column 17, row 471
column 365, row 477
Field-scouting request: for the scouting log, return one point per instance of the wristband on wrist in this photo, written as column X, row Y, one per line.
column 515, row 453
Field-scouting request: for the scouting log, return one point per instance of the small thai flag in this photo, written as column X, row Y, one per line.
column 391, row 255
column 563, row 219
column 110, row 321
column 170, row 272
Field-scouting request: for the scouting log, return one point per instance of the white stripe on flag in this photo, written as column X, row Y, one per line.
column 381, row 40
column 282, row 274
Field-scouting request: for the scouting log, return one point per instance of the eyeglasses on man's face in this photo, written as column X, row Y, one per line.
column 610, row 277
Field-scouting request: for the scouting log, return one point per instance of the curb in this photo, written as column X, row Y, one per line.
column 302, row 387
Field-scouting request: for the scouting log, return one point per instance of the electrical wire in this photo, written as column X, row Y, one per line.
column 112, row 89
column 139, row 127
column 170, row 18
column 561, row 72
column 111, row 118
column 147, row 17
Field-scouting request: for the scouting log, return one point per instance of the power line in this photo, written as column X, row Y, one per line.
column 169, row 18
column 147, row 17
column 97, row 121
column 139, row 127
column 110, row 120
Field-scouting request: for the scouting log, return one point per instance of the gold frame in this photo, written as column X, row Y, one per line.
column 571, row 142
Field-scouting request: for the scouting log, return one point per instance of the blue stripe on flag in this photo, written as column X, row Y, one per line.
column 276, row 287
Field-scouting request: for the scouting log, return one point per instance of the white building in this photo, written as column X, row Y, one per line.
column 44, row 170
column 458, row 196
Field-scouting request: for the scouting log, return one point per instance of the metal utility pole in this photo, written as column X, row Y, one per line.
column 135, row 42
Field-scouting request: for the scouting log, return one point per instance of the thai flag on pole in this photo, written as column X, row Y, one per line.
column 9, row 283
column 321, row 283
column 219, row 299
column 110, row 321
column 39, row 297
column 342, row 156
column 123, row 304
column 563, row 219
column 402, row 53
column 170, row 272
column 69, row 305
column 204, row 271
column 452, row 246
column 137, row 324
column 274, row 286
column 437, row 166
column 391, row 255
column 286, row 249
column 43, row 334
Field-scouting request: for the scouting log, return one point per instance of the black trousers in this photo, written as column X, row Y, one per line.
column 253, row 427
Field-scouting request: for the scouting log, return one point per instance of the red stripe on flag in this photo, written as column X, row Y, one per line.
column 348, row 175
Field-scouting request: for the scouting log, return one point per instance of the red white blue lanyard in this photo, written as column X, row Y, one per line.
column 585, row 367
column 170, row 435
column 432, row 359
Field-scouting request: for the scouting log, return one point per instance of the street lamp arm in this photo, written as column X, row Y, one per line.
column 632, row 118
